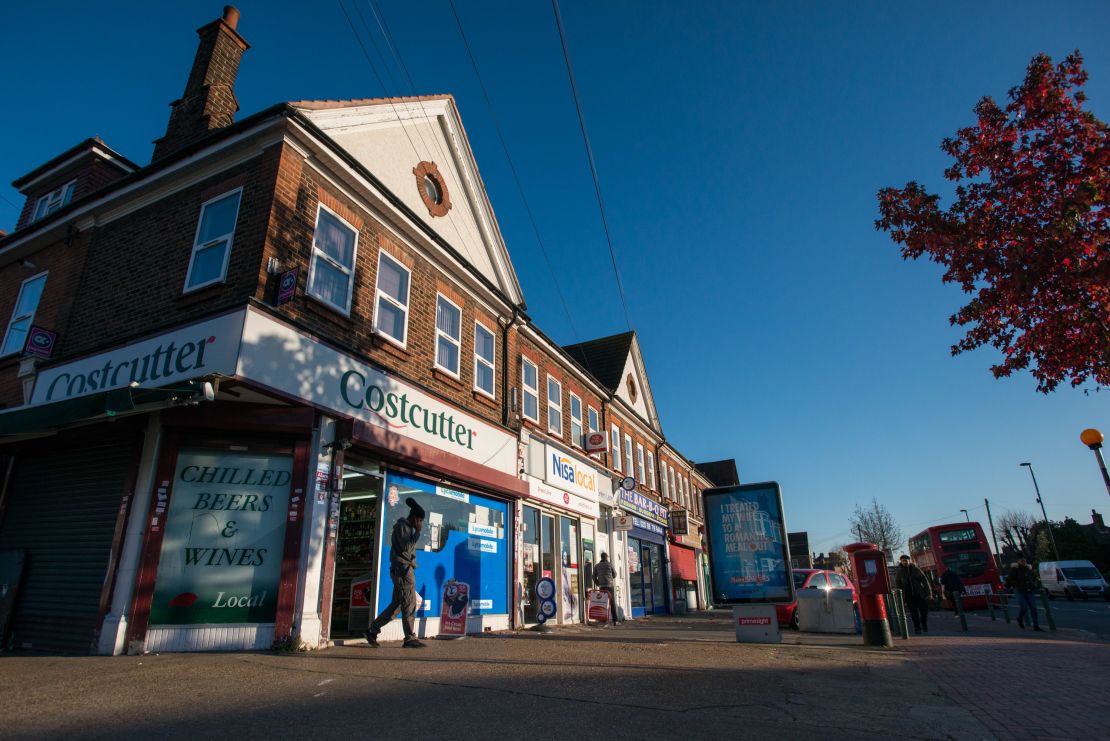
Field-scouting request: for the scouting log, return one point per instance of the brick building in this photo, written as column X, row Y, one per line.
column 225, row 371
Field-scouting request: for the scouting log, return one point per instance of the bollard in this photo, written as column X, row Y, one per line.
column 990, row 606
column 900, row 614
column 1004, row 601
column 958, row 601
column 1047, row 610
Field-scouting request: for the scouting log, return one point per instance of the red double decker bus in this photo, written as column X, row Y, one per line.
column 963, row 548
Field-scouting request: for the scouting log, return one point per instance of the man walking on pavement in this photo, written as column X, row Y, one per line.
column 953, row 585
column 916, row 591
column 603, row 577
column 1024, row 583
column 402, row 571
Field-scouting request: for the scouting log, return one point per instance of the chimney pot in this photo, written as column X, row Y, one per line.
column 231, row 16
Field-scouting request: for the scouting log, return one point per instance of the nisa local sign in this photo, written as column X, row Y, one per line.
column 570, row 474
column 186, row 353
column 643, row 506
column 276, row 355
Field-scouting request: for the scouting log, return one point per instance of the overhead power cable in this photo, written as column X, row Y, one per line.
column 516, row 176
column 590, row 157
column 396, row 112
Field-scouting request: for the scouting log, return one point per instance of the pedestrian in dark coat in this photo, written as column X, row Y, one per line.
column 605, row 578
column 402, row 571
column 1024, row 583
column 953, row 585
column 916, row 592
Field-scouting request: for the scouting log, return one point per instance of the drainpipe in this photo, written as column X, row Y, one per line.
column 505, row 411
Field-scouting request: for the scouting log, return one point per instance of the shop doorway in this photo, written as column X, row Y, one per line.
column 539, row 557
column 646, row 578
column 356, row 547
column 570, row 584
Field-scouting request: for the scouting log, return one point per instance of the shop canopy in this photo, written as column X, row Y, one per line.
column 91, row 408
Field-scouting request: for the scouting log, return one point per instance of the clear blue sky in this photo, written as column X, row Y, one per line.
column 740, row 147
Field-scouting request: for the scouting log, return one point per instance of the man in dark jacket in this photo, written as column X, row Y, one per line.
column 915, row 591
column 953, row 585
column 402, row 570
column 1024, row 583
column 604, row 577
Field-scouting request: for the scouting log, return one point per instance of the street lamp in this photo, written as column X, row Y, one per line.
column 1048, row 527
column 1092, row 438
column 966, row 515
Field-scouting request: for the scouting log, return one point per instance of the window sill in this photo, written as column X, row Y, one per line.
column 382, row 342
column 199, row 295
column 447, row 377
column 483, row 398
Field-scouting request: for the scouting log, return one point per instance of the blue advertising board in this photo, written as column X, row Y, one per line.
column 749, row 557
column 464, row 538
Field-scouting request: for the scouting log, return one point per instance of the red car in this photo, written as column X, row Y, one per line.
column 811, row 579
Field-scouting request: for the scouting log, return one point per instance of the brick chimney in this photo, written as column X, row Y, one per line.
column 209, row 100
column 1096, row 520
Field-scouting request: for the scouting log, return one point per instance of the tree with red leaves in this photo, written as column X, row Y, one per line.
column 1029, row 232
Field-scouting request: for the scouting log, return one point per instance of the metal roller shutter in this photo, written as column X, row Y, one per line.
column 62, row 509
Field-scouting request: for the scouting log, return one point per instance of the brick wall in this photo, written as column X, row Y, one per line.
column 62, row 261
column 132, row 283
column 298, row 193
column 555, row 366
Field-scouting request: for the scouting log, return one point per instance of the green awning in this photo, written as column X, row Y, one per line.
column 104, row 405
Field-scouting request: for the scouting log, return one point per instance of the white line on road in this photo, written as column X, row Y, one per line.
column 326, row 681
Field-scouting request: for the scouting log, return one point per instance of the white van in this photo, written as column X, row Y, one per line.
column 1072, row 579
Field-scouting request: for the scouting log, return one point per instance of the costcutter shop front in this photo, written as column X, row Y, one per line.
column 259, row 518
column 558, row 529
column 646, row 553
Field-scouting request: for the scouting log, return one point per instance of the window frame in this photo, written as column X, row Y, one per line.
column 665, row 490
column 65, row 193
column 615, row 444
column 640, row 463
column 491, row 363
column 230, row 242
column 674, row 486
column 535, row 390
column 651, row 470
column 316, row 252
column 557, row 407
column 579, row 439
column 628, row 455
column 457, row 373
column 379, row 294
column 30, row 317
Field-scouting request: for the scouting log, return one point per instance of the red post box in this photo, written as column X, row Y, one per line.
column 869, row 569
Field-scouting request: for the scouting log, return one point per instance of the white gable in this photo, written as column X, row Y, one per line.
column 391, row 138
column 644, row 403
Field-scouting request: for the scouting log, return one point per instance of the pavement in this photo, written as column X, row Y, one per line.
column 648, row 679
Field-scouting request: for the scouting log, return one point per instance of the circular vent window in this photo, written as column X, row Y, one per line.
column 631, row 389
column 433, row 189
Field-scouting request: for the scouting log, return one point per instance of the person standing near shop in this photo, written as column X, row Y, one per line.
column 1024, row 583
column 402, row 571
column 916, row 591
column 604, row 578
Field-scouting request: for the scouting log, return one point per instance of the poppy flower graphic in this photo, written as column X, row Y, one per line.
column 185, row 599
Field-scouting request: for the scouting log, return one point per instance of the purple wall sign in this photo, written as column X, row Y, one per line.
column 287, row 286
column 40, row 343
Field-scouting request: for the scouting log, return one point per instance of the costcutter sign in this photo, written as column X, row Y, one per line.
column 641, row 505
column 567, row 472
column 200, row 349
column 283, row 359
